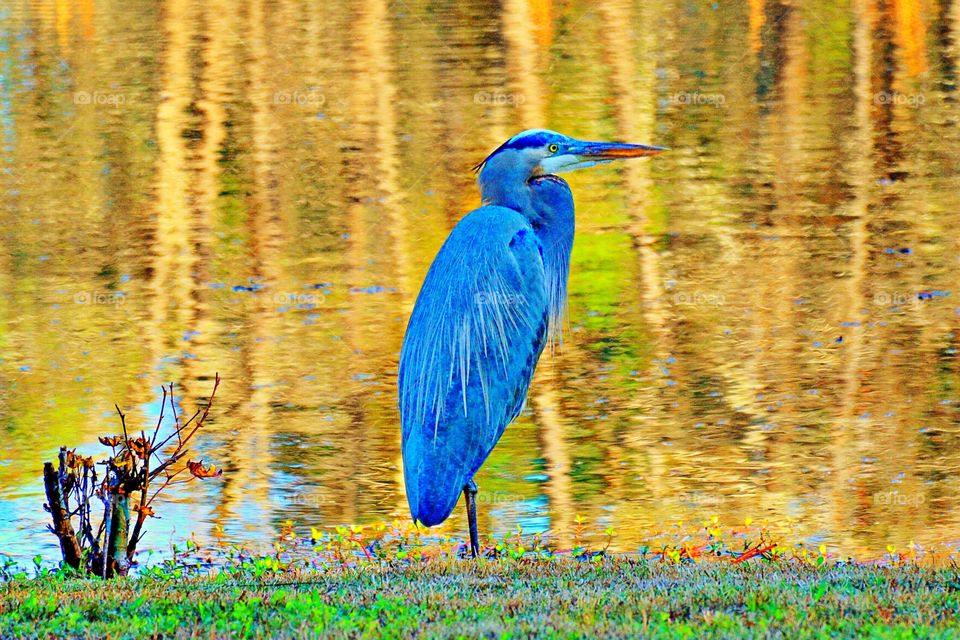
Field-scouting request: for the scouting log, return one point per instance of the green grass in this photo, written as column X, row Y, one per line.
column 546, row 597
column 389, row 580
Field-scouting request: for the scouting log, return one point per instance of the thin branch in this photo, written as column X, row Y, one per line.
column 163, row 406
column 62, row 477
column 179, row 429
column 173, row 459
column 206, row 411
column 168, row 482
column 173, row 407
column 202, row 414
column 135, row 535
column 123, row 423
column 154, row 448
column 107, row 520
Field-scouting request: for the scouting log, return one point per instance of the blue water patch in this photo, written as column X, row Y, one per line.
column 373, row 289
column 252, row 287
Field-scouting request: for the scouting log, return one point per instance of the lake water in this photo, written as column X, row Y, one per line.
column 764, row 322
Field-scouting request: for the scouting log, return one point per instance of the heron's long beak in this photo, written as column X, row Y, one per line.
column 614, row 150
column 579, row 155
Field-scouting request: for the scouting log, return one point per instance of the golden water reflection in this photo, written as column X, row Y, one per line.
column 764, row 322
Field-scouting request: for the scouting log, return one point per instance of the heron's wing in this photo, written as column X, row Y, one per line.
column 474, row 338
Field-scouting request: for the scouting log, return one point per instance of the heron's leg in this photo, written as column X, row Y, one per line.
column 470, row 496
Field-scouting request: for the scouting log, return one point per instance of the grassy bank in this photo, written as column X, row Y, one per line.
column 617, row 596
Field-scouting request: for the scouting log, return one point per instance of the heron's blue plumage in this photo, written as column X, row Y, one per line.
column 493, row 297
column 474, row 338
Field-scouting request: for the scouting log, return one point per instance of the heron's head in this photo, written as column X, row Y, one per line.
column 540, row 151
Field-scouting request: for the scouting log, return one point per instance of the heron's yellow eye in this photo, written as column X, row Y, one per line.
column 553, row 148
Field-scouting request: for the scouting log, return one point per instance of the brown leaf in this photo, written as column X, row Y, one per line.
column 123, row 461
column 199, row 471
column 140, row 447
column 73, row 460
column 147, row 510
column 111, row 441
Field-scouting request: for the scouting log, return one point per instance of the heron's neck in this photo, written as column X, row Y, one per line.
column 504, row 184
column 554, row 225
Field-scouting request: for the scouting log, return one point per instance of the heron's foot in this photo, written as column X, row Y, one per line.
column 470, row 497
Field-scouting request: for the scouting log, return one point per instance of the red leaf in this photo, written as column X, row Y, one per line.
column 753, row 553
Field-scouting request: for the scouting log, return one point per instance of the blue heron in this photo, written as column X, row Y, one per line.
column 494, row 296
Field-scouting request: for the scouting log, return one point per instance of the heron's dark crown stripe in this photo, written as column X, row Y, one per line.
column 537, row 139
